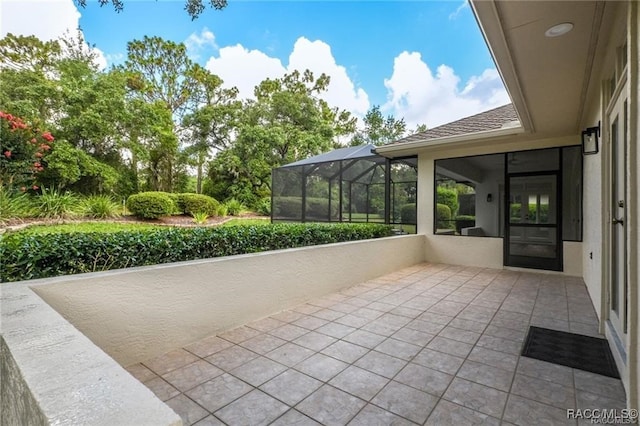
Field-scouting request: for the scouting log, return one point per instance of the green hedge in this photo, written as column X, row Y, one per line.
column 151, row 205
column 291, row 207
column 408, row 213
column 189, row 203
column 27, row 256
column 448, row 197
column 443, row 217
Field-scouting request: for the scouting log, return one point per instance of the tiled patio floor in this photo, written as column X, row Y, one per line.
column 430, row 344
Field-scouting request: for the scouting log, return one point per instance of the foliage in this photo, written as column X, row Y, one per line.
column 263, row 207
column 151, row 205
column 222, row 210
column 291, row 208
column 464, row 221
column 379, row 130
column 200, row 218
column 443, row 217
column 193, row 7
column 14, row 205
column 408, row 213
column 27, row 256
column 55, row 204
column 234, row 207
column 448, row 197
column 100, row 207
column 192, row 204
column 23, row 152
column 104, row 227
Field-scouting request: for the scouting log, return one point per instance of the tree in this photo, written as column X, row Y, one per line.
column 287, row 122
column 193, row 7
column 379, row 130
column 160, row 73
column 420, row 128
column 211, row 126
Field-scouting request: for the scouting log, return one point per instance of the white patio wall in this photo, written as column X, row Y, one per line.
column 139, row 313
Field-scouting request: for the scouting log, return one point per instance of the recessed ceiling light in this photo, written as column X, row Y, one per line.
column 558, row 30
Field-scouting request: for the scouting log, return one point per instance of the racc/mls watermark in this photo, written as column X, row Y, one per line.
column 604, row 416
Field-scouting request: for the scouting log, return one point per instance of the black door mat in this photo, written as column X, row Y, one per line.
column 572, row 350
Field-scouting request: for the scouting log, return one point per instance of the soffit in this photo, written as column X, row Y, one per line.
column 547, row 78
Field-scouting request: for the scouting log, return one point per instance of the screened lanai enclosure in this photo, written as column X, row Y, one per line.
column 347, row 185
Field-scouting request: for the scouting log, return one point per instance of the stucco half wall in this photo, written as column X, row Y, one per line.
column 138, row 313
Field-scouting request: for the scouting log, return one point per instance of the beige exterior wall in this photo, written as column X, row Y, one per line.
column 138, row 313
column 478, row 251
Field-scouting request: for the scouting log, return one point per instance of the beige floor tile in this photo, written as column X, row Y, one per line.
column 170, row 361
column 459, row 334
column 192, row 375
column 345, row 351
column 449, row 414
column 289, row 354
column 494, row 358
column 255, row 408
column 205, row 347
column 382, row 364
column 258, row 371
column 525, row 412
column 162, row 388
column 405, row 401
column 335, row 330
column 232, row 357
column 598, row 384
column 438, row 361
column 359, row 382
column 372, row 415
column 288, row 332
column 189, row 411
column 451, row 347
column 240, row 334
column 291, row 387
column 140, row 372
column 310, row 322
column 476, row 397
column 265, row 324
column 314, row 341
column 321, row 367
column 487, row 375
column 424, row 379
column 294, row 418
column 263, row 343
column 218, row 392
column 331, row 406
column 546, row 371
column 398, row 349
column 413, row 336
column 209, row 421
column 544, row 391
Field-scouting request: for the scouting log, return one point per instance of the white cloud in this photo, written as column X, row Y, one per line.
column 45, row 19
column 422, row 97
column 237, row 66
column 458, row 11
column 195, row 43
column 245, row 69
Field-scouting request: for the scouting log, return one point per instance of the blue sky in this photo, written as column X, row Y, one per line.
column 425, row 61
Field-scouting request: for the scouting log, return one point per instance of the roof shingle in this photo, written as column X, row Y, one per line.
column 494, row 119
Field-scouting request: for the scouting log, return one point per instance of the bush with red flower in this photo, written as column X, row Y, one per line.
column 23, row 152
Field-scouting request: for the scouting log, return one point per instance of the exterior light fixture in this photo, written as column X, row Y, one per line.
column 590, row 140
column 558, row 30
column 489, row 198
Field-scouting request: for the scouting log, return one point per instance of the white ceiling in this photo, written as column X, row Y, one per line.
column 547, row 78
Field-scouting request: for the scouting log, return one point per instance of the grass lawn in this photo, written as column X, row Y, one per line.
column 86, row 227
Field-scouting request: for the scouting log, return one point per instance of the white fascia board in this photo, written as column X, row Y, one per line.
column 409, row 148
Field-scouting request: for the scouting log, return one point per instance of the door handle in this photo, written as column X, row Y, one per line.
column 617, row 221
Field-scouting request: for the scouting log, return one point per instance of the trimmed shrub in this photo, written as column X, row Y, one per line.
column 151, row 205
column 408, row 213
column 189, row 203
column 100, row 207
column 26, row 256
column 448, row 197
column 443, row 217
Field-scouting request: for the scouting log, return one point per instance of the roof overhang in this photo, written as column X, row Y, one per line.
column 548, row 79
column 412, row 148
